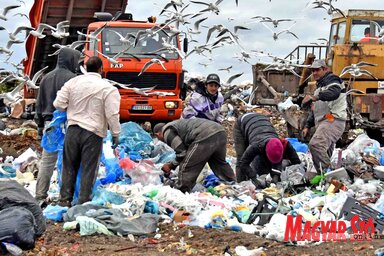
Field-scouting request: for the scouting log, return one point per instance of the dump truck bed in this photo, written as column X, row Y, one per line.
column 78, row 12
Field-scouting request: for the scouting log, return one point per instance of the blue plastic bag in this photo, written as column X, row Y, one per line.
column 211, row 180
column 102, row 197
column 53, row 137
column 54, row 212
column 113, row 171
column 297, row 145
column 134, row 138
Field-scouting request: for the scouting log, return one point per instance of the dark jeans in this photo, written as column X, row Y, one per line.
column 83, row 149
column 212, row 150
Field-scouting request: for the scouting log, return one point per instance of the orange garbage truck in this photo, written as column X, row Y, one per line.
column 164, row 101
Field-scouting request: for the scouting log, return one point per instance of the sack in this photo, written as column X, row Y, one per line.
column 14, row 194
column 17, row 227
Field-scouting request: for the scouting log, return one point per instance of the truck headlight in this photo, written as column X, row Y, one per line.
column 170, row 104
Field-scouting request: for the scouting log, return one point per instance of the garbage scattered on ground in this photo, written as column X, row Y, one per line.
column 133, row 198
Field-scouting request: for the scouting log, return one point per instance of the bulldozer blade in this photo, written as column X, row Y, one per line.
column 289, row 116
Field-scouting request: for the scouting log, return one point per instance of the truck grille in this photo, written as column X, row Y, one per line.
column 163, row 81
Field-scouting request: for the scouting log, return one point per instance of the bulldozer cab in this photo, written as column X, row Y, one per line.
column 355, row 53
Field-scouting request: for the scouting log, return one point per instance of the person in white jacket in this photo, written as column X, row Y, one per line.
column 206, row 101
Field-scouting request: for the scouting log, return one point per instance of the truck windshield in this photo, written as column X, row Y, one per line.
column 365, row 31
column 113, row 44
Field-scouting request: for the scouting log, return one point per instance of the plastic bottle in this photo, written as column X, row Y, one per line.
column 12, row 249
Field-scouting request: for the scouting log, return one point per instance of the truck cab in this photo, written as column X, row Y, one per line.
column 170, row 81
column 349, row 43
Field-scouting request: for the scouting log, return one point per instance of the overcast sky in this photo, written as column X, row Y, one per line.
column 310, row 25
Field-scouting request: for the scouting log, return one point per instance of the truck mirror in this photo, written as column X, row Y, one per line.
column 185, row 45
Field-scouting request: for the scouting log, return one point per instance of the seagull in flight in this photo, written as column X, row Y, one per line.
column 231, row 78
column 93, row 35
column 225, row 69
column 12, row 96
column 355, row 70
column 150, row 63
column 275, row 35
column 6, row 10
column 73, row 45
column 213, row 7
column 12, row 35
column 124, row 39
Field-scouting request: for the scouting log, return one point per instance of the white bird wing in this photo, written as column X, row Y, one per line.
column 38, row 74
column 197, row 23
column 21, row 28
column 76, row 44
column 43, row 26
column 117, row 33
column 268, row 27
column 146, row 66
column 98, row 31
column 102, row 54
column 62, row 25
column 230, row 79
column 236, row 28
column 8, row 8
column 363, row 63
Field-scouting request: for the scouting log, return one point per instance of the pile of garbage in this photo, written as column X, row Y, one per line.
column 131, row 196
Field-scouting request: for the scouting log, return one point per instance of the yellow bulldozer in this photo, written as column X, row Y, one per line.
column 354, row 51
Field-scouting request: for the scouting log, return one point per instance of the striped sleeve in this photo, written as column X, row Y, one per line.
column 174, row 141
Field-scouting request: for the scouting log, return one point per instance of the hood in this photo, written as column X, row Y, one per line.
column 200, row 88
column 68, row 59
column 328, row 78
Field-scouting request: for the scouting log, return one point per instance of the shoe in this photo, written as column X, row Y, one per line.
column 42, row 203
column 64, row 203
column 257, row 184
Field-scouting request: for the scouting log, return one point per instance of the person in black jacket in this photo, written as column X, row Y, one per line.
column 258, row 148
column 67, row 63
column 196, row 142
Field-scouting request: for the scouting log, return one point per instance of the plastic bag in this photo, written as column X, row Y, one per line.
column 113, row 171
column 134, row 138
column 54, row 212
column 142, row 172
column 293, row 174
column 348, row 157
column 53, row 137
column 166, row 153
column 361, row 142
column 103, row 197
column 17, row 227
column 89, row 226
column 14, row 194
column 297, row 145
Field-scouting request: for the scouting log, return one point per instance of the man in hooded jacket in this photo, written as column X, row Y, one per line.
column 259, row 150
column 67, row 63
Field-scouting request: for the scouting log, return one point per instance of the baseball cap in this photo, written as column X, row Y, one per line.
column 318, row 64
column 213, row 78
column 274, row 150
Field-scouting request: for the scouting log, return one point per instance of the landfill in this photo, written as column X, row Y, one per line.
column 132, row 198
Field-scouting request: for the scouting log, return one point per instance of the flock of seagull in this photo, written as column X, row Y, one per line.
column 177, row 21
